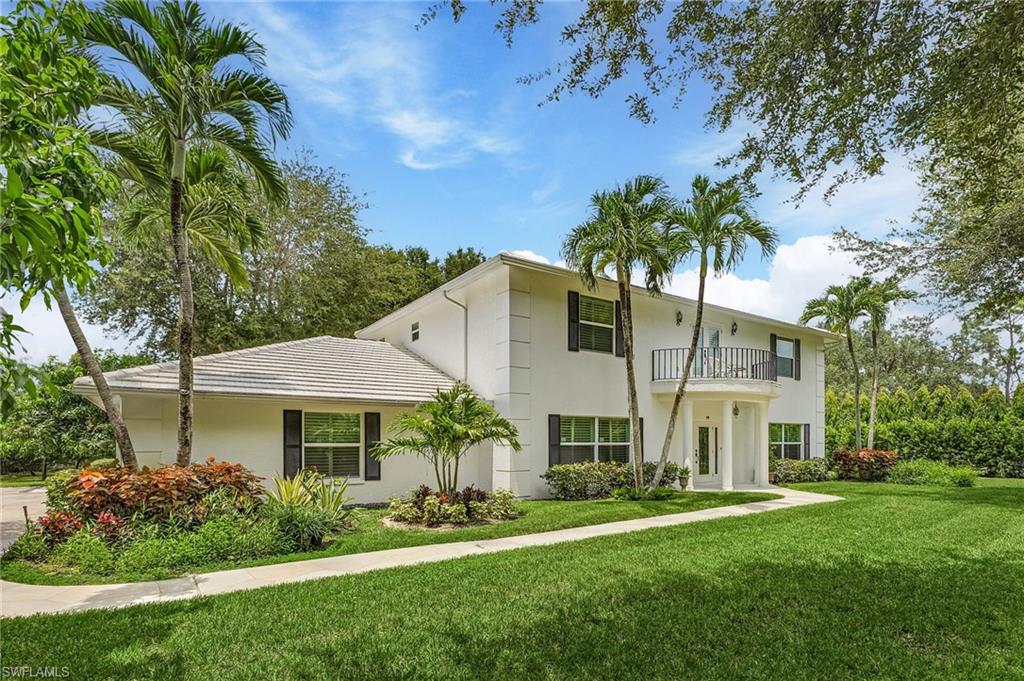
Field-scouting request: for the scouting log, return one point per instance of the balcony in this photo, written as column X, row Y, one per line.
column 716, row 370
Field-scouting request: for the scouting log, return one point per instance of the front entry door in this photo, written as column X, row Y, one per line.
column 706, row 455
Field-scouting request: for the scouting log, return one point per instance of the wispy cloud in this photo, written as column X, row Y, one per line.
column 368, row 63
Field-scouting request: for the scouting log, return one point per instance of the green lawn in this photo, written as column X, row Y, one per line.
column 372, row 535
column 893, row 583
column 20, row 480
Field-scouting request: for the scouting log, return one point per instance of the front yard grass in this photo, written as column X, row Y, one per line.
column 20, row 480
column 372, row 535
column 893, row 583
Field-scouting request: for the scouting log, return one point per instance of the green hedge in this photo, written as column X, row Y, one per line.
column 995, row 448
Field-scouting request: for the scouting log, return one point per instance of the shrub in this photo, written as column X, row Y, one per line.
column 632, row 494
column 263, row 538
column 403, row 511
column 169, row 492
column 29, row 546
column 110, row 527
column 58, row 495
column 865, row 464
column 926, row 472
column 305, row 525
column 144, row 556
column 214, row 541
column 432, row 510
column 668, row 478
column 502, row 505
column 56, row 527
column 790, row 470
column 455, row 513
column 100, row 464
column 587, row 480
column 86, row 553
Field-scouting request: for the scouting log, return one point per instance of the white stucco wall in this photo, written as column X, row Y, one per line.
column 251, row 432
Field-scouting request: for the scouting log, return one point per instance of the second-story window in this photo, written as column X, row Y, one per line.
column 597, row 325
column 415, row 331
column 785, row 348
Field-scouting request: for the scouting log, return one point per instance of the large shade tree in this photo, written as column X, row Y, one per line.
column 715, row 224
column 189, row 88
column 838, row 310
column 624, row 232
column 53, row 185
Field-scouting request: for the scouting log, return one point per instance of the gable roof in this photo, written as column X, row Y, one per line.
column 508, row 259
column 322, row 368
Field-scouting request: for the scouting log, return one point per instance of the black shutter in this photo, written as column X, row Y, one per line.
column 574, row 321
column 807, row 440
column 371, row 436
column 292, row 442
column 620, row 341
column 641, row 439
column 773, row 343
column 554, row 439
column 796, row 359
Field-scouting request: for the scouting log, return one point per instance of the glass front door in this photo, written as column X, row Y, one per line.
column 707, row 451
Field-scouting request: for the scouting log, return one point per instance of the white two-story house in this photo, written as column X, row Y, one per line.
column 530, row 338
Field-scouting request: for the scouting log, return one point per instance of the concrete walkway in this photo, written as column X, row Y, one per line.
column 27, row 599
column 13, row 501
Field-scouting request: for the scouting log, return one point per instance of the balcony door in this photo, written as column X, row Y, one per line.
column 707, row 358
column 706, row 453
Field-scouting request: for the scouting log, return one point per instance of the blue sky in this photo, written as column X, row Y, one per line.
column 449, row 150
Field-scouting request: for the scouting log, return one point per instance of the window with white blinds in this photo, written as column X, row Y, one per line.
column 332, row 443
column 588, row 438
column 597, row 324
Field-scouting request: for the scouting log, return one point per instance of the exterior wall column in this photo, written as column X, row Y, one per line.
column 761, row 440
column 688, row 440
column 726, row 467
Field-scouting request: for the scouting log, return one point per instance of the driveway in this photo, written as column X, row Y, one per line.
column 12, row 517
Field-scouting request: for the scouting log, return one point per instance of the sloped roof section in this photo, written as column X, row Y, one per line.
column 321, row 368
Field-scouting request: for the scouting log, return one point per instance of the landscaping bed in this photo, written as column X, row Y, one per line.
column 368, row 533
column 894, row 582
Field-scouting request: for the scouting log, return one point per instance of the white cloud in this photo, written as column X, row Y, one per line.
column 370, row 64
column 47, row 335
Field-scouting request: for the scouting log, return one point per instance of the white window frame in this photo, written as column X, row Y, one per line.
column 582, row 323
column 361, row 458
column 791, row 357
column 784, row 441
column 596, row 444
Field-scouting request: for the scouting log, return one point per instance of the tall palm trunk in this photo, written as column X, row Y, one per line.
column 626, row 314
column 186, row 314
column 92, row 367
column 856, row 385
column 666, row 446
column 873, row 412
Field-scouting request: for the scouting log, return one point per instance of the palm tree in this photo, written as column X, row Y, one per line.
column 444, row 429
column 716, row 223
column 880, row 297
column 188, row 91
column 624, row 231
column 95, row 371
column 838, row 309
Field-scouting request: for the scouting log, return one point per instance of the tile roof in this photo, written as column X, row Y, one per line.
column 321, row 368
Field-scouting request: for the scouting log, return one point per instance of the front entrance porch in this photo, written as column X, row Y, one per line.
column 725, row 442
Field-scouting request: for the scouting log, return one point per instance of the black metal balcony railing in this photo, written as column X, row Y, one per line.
column 746, row 363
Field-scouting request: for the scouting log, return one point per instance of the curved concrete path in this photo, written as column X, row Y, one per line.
column 28, row 599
